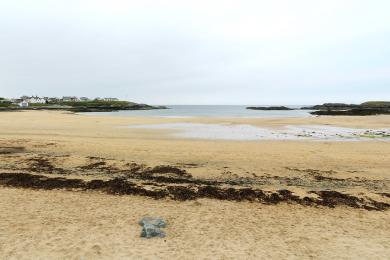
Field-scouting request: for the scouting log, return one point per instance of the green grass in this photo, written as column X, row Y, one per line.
column 373, row 136
column 376, row 104
column 38, row 105
column 7, row 105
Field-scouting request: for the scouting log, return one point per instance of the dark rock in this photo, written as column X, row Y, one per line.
column 352, row 112
column 107, row 108
column 270, row 108
column 364, row 109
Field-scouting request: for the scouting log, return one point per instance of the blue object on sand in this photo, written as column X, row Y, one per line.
column 151, row 227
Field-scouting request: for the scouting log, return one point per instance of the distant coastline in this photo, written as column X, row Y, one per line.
column 72, row 104
column 84, row 104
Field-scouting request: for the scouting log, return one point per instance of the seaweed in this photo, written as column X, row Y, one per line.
column 121, row 186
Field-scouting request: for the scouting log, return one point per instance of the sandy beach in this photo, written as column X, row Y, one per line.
column 319, row 199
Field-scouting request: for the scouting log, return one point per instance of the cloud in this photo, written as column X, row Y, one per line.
column 224, row 52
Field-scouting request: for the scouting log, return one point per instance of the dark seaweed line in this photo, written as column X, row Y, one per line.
column 119, row 186
column 169, row 174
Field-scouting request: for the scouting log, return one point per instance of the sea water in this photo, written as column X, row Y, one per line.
column 185, row 111
column 243, row 131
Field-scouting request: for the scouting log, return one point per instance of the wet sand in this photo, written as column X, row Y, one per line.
column 55, row 144
column 245, row 132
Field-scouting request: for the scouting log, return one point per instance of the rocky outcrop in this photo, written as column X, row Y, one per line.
column 96, row 107
column 114, row 108
column 270, row 108
column 352, row 112
column 331, row 106
column 364, row 109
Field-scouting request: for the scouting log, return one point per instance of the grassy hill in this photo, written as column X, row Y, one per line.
column 376, row 104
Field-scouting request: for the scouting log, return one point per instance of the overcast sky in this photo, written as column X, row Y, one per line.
column 197, row 52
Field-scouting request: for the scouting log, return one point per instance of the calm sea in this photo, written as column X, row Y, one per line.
column 207, row 111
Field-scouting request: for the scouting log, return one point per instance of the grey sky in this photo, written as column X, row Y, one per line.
column 197, row 52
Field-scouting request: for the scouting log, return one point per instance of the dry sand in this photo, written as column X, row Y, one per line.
column 66, row 225
column 89, row 225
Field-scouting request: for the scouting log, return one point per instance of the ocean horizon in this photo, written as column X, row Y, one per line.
column 177, row 111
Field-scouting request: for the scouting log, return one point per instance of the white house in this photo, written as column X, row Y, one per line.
column 33, row 100
column 110, row 99
column 36, row 100
column 24, row 103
